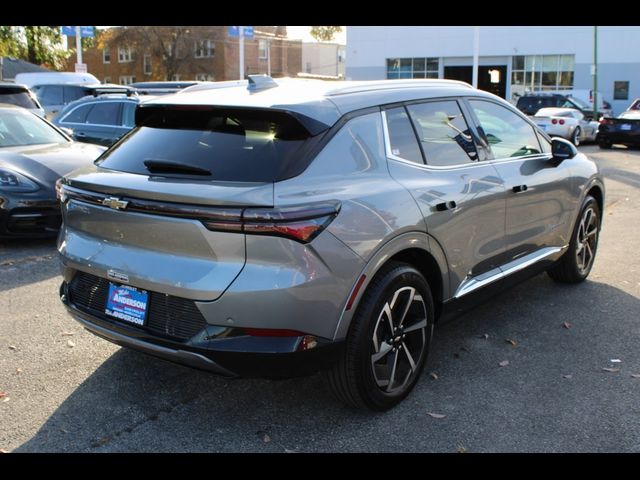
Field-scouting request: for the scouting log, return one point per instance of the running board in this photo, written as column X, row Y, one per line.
column 469, row 285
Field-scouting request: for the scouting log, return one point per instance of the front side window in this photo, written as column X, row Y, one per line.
column 17, row 128
column 508, row 134
column 107, row 113
column 78, row 115
column 402, row 138
column 443, row 133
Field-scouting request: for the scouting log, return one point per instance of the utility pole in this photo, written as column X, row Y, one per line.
column 269, row 56
column 241, row 33
column 78, row 45
column 595, row 73
column 476, row 54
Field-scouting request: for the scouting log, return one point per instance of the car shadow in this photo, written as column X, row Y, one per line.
column 26, row 261
column 134, row 402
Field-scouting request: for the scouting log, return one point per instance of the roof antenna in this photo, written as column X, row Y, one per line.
column 260, row 82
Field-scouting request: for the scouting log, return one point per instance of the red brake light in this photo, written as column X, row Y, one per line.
column 606, row 121
column 561, row 121
column 554, row 121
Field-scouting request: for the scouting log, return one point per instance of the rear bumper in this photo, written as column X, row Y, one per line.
column 621, row 138
column 219, row 350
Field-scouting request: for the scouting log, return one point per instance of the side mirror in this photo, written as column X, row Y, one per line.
column 67, row 131
column 562, row 149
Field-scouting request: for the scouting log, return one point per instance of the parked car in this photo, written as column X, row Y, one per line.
column 635, row 105
column 585, row 96
column 101, row 120
column 33, row 155
column 55, row 96
column 31, row 79
column 567, row 123
column 161, row 88
column 293, row 226
column 624, row 130
column 532, row 102
column 20, row 95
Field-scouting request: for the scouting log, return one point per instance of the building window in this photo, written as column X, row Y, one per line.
column 534, row 73
column 204, row 77
column 620, row 90
column 146, row 64
column 127, row 79
column 203, row 49
column 342, row 55
column 106, row 55
column 107, row 80
column 125, row 55
column 262, row 48
column 412, row 67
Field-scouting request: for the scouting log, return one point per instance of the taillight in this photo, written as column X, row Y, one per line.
column 554, row 121
column 606, row 121
column 301, row 223
column 561, row 122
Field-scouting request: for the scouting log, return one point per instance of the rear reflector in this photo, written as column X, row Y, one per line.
column 354, row 294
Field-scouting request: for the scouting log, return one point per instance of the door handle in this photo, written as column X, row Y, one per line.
column 81, row 134
column 520, row 188
column 441, row 207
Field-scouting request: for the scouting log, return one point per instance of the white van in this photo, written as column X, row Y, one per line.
column 49, row 78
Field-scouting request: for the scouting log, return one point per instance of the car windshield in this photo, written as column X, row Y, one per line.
column 17, row 96
column 23, row 128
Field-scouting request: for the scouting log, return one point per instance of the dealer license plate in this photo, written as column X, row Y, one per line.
column 127, row 303
column 625, row 126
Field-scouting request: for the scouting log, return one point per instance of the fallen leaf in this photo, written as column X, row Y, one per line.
column 18, row 370
column 568, row 376
column 2, row 394
column 566, row 325
column 485, row 336
column 12, row 347
column 462, row 449
column 436, row 415
column 616, row 360
column 434, row 375
column 5, row 399
column 70, row 343
column 2, row 450
column 103, row 441
column 67, row 334
column 266, row 438
column 611, row 369
column 635, row 375
column 504, row 363
column 513, row 343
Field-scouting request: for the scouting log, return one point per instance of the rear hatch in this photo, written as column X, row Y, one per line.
column 162, row 209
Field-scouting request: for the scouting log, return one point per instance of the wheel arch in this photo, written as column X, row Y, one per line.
column 415, row 248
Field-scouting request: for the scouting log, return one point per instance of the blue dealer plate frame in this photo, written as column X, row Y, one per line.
column 127, row 303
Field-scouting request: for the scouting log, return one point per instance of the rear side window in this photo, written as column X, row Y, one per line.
column 443, row 133
column 17, row 96
column 107, row 113
column 402, row 138
column 216, row 144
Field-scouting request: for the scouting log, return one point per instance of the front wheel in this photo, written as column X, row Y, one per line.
column 388, row 341
column 576, row 263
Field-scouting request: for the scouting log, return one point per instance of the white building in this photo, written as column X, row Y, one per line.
column 323, row 59
column 512, row 59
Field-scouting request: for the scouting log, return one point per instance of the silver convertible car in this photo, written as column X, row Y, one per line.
column 293, row 226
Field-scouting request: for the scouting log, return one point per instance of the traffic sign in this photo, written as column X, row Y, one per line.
column 248, row 32
column 81, row 68
column 84, row 31
column 234, row 31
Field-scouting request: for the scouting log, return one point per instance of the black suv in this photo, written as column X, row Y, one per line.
column 532, row 102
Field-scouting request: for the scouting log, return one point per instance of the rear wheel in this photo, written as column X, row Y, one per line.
column 575, row 264
column 575, row 138
column 388, row 341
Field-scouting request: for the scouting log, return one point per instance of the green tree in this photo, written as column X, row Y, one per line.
column 325, row 34
column 37, row 44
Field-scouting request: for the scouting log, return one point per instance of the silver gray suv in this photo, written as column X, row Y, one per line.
column 295, row 226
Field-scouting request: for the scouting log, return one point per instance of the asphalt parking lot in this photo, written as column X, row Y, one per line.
column 65, row 390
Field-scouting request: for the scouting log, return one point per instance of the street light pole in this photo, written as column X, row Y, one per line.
column 595, row 73
column 476, row 53
column 241, row 32
column 78, row 45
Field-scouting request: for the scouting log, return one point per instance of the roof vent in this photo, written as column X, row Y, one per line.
column 260, row 82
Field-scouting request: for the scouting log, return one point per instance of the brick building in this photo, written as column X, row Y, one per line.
column 136, row 54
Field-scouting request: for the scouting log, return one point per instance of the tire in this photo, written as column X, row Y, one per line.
column 604, row 143
column 575, row 138
column 379, row 366
column 576, row 263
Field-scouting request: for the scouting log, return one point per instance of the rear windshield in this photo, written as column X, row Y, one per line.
column 17, row 96
column 214, row 144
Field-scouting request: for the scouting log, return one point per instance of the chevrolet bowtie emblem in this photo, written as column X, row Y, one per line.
column 115, row 203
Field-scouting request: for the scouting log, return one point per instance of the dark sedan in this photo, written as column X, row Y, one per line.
column 624, row 130
column 33, row 155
